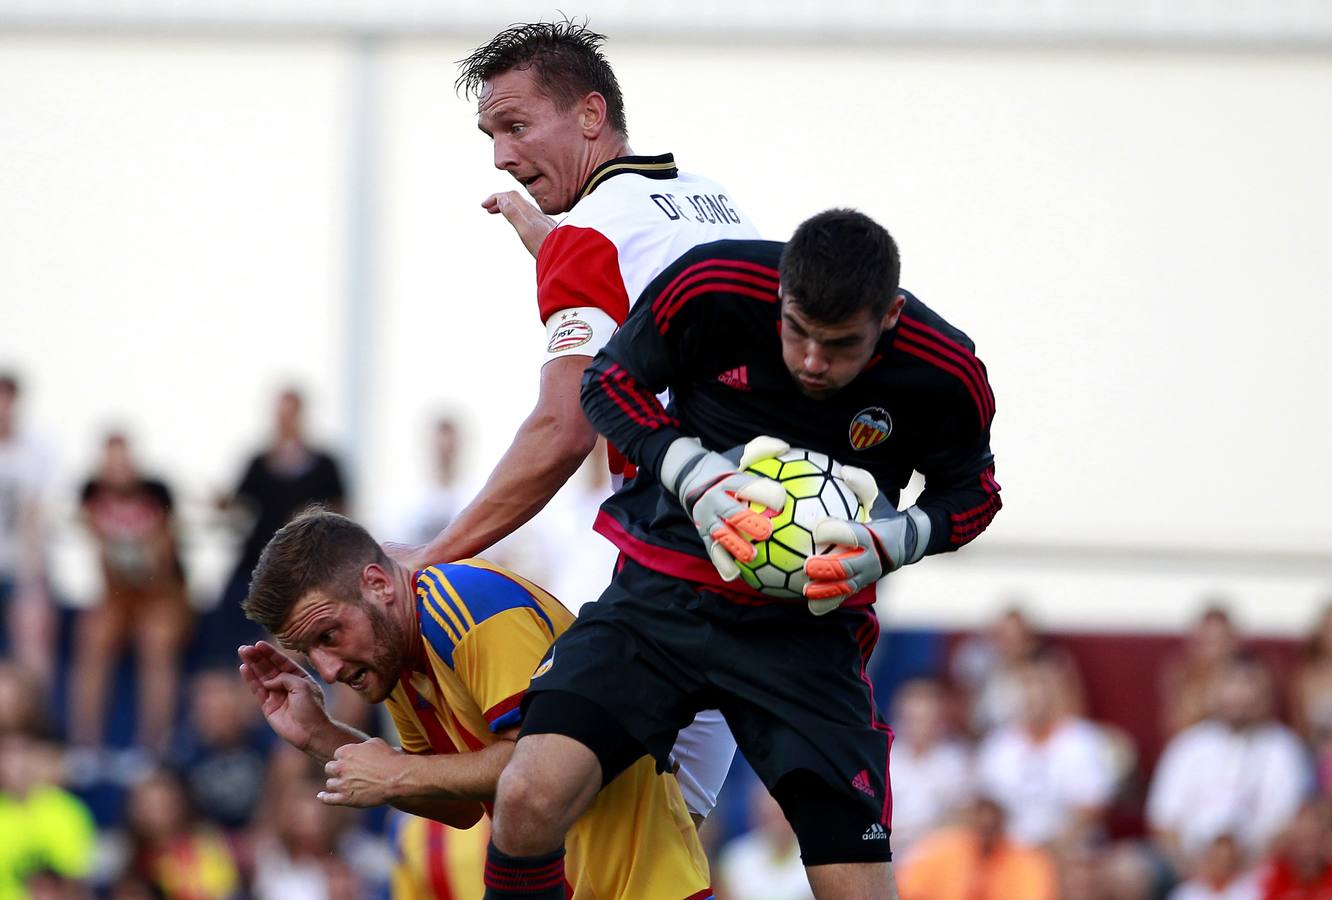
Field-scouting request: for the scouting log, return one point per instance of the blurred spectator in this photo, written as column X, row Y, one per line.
column 144, row 600
column 21, row 706
column 431, row 860
column 1091, row 870
column 1052, row 772
column 976, row 861
column 929, row 770
column 441, row 500
column 1311, row 685
column 279, row 481
column 985, row 667
column 1302, row 866
column 1322, row 748
column 43, row 828
column 1219, row 874
column 763, row 864
column 1188, row 677
column 131, row 887
column 27, row 617
column 223, row 751
column 296, row 859
column 1238, row 772
column 49, row 885
column 180, row 856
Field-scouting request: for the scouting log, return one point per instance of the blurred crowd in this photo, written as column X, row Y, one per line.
column 1006, row 784
column 134, row 763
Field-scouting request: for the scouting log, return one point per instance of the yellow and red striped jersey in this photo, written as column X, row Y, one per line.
column 485, row 630
column 432, row 861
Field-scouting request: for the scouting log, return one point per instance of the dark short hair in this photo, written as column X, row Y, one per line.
column 565, row 58
column 9, row 383
column 316, row 551
column 840, row 262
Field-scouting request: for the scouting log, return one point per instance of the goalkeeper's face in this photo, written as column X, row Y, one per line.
column 824, row 357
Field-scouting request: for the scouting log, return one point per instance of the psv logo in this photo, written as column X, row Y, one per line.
column 870, row 427
column 570, row 333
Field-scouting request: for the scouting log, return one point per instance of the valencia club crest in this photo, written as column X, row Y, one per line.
column 870, row 427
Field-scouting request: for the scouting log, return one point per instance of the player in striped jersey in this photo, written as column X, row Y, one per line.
column 450, row 649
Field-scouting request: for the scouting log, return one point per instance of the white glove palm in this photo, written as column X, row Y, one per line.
column 716, row 494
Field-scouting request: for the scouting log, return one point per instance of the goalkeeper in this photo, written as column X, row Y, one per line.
column 761, row 344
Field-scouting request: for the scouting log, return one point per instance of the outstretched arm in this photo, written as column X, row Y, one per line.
column 531, row 224
column 549, row 447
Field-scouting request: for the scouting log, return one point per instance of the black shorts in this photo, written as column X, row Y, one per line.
column 654, row 650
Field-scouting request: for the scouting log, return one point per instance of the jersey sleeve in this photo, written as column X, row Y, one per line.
column 493, row 633
column 621, row 385
column 579, row 268
column 496, row 659
column 961, row 496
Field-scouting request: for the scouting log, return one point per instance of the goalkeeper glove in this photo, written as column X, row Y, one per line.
column 862, row 553
column 715, row 492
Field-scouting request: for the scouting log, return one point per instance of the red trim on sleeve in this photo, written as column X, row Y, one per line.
column 967, row 525
column 580, row 267
column 504, row 706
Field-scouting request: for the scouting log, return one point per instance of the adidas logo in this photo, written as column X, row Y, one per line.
column 861, row 783
column 737, row 378
column 875, row 832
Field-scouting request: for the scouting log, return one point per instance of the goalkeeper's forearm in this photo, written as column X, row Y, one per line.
column 628, row 413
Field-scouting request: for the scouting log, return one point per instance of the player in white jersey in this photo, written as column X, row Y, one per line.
column 552, row 106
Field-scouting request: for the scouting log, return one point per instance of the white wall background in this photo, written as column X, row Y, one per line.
column 1135, row 239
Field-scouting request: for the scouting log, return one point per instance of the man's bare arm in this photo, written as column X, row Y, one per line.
column 371, row 772
column 446, row 787
column 549, row 447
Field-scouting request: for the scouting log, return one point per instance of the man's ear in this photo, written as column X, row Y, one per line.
column 894, row 312
column 592, row 115
column 376, row 578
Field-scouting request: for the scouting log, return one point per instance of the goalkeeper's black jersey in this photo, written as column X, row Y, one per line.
column 708, row 328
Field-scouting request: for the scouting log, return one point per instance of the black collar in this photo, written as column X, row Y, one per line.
column 648, row 166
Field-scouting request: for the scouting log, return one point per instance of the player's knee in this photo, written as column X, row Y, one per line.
column 527, row 820
column 537, row 799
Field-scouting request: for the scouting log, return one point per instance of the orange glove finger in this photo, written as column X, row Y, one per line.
column 734, row 543
column 829, row 566
column 825, row 590
column 754, row 525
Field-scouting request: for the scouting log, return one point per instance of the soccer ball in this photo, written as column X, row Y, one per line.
column 815, row 489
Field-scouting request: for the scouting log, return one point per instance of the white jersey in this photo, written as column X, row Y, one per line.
column 636, row 216
column 1212, row 780
column 1042, row 783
